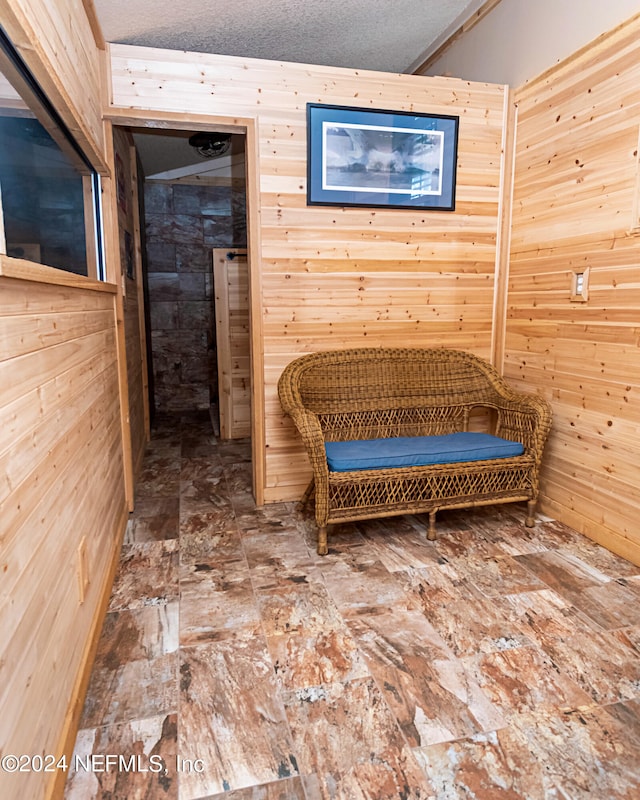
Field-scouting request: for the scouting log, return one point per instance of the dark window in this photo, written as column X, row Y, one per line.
column 49, row 191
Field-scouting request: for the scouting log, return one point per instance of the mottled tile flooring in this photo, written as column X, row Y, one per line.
column 496, row 663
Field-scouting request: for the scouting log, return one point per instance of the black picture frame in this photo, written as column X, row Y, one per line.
column 375, row 158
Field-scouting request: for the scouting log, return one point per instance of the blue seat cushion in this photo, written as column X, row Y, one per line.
column 416, row 451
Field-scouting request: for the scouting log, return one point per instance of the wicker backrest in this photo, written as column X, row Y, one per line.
column 380, row 392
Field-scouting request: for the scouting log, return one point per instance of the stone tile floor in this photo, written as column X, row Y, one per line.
column 497, row 663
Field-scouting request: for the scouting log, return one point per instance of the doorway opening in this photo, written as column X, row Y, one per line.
column 194, row 205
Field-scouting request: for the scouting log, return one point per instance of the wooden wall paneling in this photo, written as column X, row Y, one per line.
column 48, row 671
column 94, row 23
column 24, row 457
column 57, row 43
column 231, row 289
column 253, row 171
column 133, row 297
column 61, row 461
column 115, row 273
column 87, row 645
column 504, row 242
column 127, row 450
column 634, row 227
column 333, row 277
column 574, row 197
column 145, row 432
column 60, row 434
column 41, row 554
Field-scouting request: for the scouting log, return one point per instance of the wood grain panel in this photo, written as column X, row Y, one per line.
column 56, row 42
column 231, row 288
column 61, row 466
column 133, row 300
column 574, row 195
column 339, row 277
column 60, row 433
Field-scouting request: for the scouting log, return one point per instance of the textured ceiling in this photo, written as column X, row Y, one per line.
column 387, row 35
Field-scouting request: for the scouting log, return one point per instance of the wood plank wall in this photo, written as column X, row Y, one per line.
column 333, row 277
column 57, row 37
column 61, row 468
column 133, row 301
column 62, row 488
column 575, row 207
column 231, row 285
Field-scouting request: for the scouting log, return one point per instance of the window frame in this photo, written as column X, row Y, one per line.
column 18, row 74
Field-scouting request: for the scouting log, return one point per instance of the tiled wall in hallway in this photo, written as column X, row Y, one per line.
column 183, row 224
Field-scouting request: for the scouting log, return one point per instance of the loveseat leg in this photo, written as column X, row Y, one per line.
column 323, row 548
column 431, row 534
column 530, row 521
column 307, row 495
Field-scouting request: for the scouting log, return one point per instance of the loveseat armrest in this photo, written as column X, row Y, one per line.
column 525, row 418
column 308, row 426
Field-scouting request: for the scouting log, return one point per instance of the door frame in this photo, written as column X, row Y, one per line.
column 169, row 120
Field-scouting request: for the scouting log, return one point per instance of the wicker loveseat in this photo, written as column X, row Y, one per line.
column 367, row 403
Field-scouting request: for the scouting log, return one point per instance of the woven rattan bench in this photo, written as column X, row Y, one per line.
column 382, row 399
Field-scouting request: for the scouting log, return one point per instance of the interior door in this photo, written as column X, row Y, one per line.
column 231, row 291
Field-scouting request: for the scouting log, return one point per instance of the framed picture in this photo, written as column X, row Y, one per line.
column 369, row 157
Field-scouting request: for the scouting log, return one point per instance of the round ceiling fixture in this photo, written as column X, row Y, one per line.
column 210, row 145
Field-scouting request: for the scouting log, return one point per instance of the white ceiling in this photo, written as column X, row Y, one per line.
column 168, row 156
column 386, row 35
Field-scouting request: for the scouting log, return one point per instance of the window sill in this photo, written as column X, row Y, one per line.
column 39, row 273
